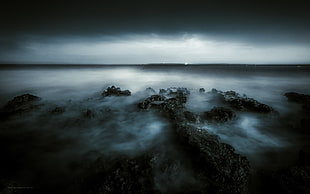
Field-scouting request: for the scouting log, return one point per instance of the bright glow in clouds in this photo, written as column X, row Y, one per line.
column 137, row 49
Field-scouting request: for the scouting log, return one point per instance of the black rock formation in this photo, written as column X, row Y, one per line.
column 213, row 167
column 202, row 90
column 219, row 168
column 151, row 101
column 218, row 114
column 241, row 103
column 115, row 91
column 191, row 117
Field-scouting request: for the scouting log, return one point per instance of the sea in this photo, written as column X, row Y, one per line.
column 269, row 141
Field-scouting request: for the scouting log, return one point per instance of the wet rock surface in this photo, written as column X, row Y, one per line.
column 115, row 91
column 219, row 114
column 220, row 169
column 241, row 103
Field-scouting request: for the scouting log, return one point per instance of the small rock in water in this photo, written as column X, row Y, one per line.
column 20, row 104
column 202, row 90
column 115, row 91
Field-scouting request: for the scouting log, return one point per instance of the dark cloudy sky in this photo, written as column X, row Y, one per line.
column 105, row 32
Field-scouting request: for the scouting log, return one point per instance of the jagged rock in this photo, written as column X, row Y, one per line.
column 152, row 100
column 223, row 170
column 242, row 103
column 20, row 104
column 220, row 169
column 168, row 99
column 115, row 91
column 219, row 114
column 179, row 93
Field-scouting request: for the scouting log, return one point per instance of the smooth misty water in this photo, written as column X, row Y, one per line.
column 266, row 84
column 266, row 140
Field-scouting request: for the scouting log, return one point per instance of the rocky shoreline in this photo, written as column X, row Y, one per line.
column 198, row 163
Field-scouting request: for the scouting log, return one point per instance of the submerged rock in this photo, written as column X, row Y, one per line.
column 242, row 103
column 218, row 114
column 115, row 91
column 20, row 104
column 150, row 91
column 58, row 110
column 300, row 99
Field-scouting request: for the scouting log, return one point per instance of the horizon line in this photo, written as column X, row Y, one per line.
column 150, row 64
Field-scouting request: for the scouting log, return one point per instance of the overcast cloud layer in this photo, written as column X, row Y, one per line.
column 113, row 32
